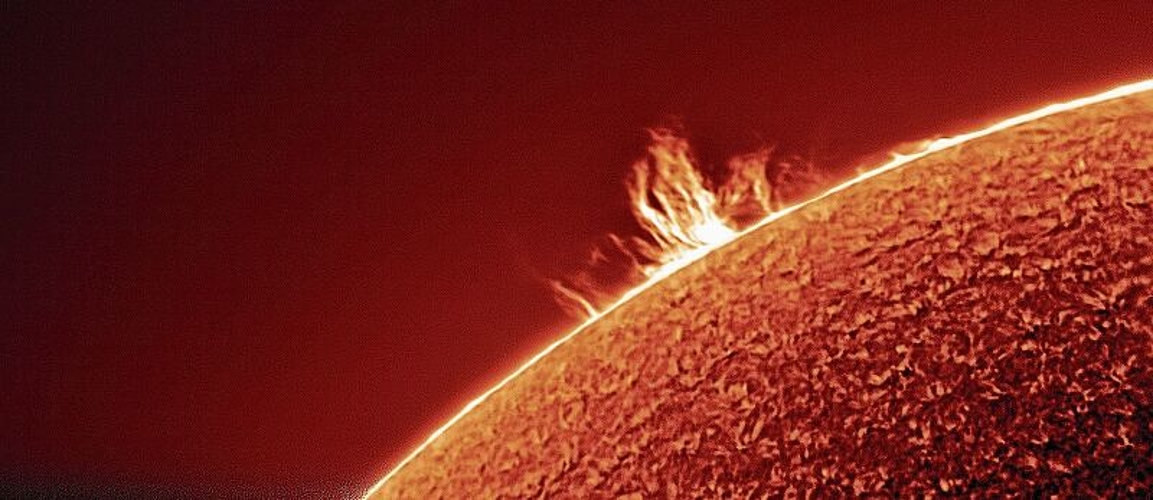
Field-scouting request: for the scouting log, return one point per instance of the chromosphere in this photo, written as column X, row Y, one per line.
column 979, row 321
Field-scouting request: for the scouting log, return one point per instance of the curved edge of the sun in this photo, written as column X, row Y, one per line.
column 671, row 268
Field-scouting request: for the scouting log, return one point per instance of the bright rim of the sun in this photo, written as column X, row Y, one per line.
column 687, row 229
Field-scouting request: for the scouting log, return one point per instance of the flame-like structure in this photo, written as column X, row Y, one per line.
column 689, row 237
column 673, row 204
column 680, row 212
column 572, row 300
column 747, row 195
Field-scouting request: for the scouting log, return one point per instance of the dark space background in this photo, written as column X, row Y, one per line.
column 265, row 251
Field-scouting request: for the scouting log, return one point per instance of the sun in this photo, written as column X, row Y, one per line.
column 673, row 376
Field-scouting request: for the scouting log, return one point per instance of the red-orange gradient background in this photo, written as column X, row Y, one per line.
column 267, row 250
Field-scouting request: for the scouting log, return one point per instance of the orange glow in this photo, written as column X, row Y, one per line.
column 673, row 203
column 680, row 213
column 688, row 220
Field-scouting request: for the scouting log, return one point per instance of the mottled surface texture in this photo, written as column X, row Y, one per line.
column 977, row 322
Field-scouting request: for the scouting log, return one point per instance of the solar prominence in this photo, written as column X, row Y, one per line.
column 979, row 324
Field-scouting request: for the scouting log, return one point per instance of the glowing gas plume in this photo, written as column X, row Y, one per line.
column 672, row 202
column 682, row 212
column 710, row 233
